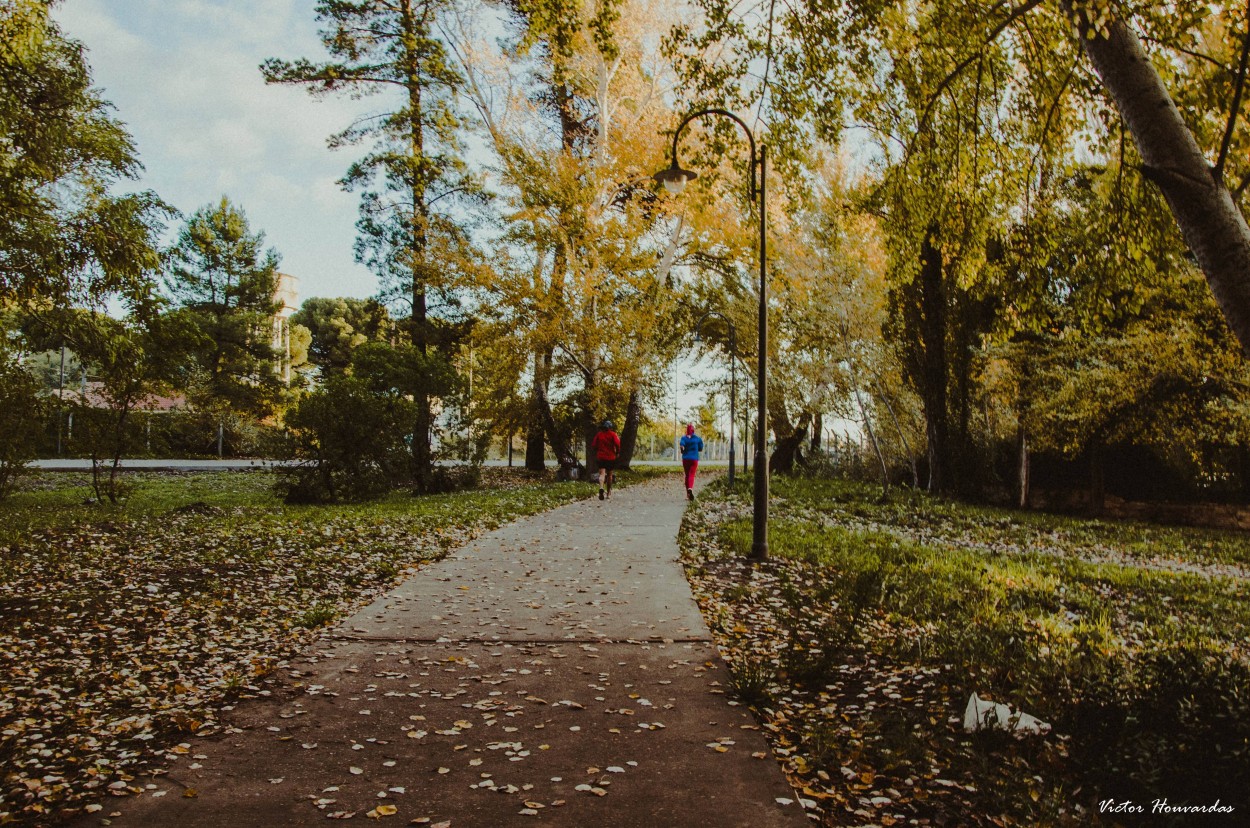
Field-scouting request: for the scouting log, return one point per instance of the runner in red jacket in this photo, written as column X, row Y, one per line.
column 607, row 448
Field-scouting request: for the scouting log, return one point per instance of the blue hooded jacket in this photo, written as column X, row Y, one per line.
column 691, row 445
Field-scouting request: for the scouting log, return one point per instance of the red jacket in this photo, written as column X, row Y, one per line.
column 607, row 445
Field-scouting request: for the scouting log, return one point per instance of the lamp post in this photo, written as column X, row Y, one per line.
column 674, row 180
column 733, row 381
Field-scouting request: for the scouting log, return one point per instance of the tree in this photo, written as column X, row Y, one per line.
column 65, row 236
column 338, row 326
column 586, row 249
column 132, row 359
column 413, row 172
column 1116, row 344
column 349, row 441
column 1209, row 217
column 1201, row 47
column 21, row 420
column 224, row 283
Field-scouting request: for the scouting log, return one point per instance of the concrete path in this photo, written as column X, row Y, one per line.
column 554, row 672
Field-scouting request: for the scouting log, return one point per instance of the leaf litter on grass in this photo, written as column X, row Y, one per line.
column 121, row 638
column 861, row 693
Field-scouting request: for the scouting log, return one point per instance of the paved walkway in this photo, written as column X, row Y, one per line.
column 555, row 672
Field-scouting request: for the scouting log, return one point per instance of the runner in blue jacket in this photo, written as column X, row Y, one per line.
column 691, row 445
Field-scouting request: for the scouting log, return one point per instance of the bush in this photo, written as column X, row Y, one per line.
column 21, row 422
column 351, row 440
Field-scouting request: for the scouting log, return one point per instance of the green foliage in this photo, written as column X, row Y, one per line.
column 1142, row 665
column 1119, row 342
column 355, row 431
column 1014, row 209
column 339, row 326
column 351, row 441
column 21, row 414
column 66, row 237
column 320, row 615
column 224, row 283
column 412, row 178
column 752, row 681
column 414, row 160
column 132, row 359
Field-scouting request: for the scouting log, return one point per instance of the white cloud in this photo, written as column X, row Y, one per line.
column 184, row 77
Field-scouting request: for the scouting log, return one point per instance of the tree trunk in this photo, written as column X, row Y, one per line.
column 589, row 429
column 1022, row 442
column 422, row 447
column 119, row 449
column 911, row 455
column 1243, row 470
column 818, row 427
column 933, row 366
column 565, row 457
column 629, row 433
column 872, row 437
column 1097, row 480
column 534, row 444
column 1209, row 219
column 789, row 448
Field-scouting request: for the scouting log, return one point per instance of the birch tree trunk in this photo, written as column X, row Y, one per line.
column 1209, row 219
column 872, row 436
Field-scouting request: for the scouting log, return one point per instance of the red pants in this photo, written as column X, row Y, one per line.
column 690, row 466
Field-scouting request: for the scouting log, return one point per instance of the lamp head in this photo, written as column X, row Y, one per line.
column 674, row 178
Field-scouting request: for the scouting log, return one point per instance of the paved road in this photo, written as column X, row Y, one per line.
column 177, row 464
column 554, row 672
column 184, row 464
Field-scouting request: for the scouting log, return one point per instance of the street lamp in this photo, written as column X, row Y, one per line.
column 674, row 180
column 733, row 381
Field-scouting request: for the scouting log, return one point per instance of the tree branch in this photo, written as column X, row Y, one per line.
column 768, row 60
column 1235, row 107
column 1241, row 187
column 1015, row 15
column 589, row 374
column 1190, row 52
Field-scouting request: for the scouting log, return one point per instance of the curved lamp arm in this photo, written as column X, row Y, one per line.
column 674, row 178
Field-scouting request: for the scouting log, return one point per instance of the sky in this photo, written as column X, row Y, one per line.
column 184, row 78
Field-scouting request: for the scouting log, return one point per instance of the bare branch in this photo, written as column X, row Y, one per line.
column 768, row 60
column 1015, row 15
column 1235, row 107
column 589, row 374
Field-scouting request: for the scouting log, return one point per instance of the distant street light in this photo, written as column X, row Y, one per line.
column 674, row 179
column 733, row 381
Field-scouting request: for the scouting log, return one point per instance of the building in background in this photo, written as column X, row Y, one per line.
column 286, row 295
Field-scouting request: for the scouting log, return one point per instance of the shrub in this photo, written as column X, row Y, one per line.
column 351, row 441
column 21, row 422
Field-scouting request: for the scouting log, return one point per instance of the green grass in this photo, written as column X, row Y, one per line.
column 915, row 511
column 1146, row 669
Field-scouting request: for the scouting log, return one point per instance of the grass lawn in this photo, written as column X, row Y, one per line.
column 861, row 640
column 125, row 631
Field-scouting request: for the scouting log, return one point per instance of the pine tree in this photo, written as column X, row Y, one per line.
column 224, row 282
column 413, row 163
